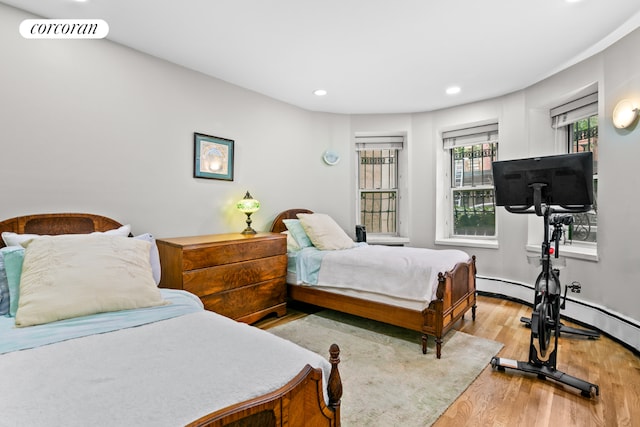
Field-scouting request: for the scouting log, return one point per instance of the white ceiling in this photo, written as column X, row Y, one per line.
column 372, row 56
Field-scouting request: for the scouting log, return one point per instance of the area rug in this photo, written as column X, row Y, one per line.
column 387, row 381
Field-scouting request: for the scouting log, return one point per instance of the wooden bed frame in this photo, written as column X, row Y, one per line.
column 300, row 402
column 456, row 294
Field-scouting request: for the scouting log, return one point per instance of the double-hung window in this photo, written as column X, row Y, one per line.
column 472, row 210
column 576, row 122
column 378, row 190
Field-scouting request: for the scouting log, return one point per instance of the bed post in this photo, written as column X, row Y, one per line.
column 473, row 277
column 334, row 386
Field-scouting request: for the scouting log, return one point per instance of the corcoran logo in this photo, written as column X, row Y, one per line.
column 64, row 29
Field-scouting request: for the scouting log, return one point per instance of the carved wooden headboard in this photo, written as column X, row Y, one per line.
column 278, row 226
column 58, row 223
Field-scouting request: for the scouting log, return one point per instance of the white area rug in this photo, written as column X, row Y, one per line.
column 387, row 381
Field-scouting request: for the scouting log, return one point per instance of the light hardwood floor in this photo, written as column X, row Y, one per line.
column 512, row 398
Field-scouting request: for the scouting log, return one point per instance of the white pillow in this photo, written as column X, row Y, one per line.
column 123, row 231
column 154, row 256
column 292, row 244
column 80, row 274
column 14, row 239
column 324, row 232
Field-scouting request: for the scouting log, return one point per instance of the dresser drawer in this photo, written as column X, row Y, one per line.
column 241, row 302
column 229, row 253
column 206, row 281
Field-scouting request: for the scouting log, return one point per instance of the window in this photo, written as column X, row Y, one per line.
column 472, row 204
column 378, row 194
column 578, row 120
column 583, row 136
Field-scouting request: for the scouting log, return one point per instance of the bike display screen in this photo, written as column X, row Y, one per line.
column 564, row 180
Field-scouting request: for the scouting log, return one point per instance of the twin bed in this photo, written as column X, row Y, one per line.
column 173, row 363
column 169, row 363
column 419, row 289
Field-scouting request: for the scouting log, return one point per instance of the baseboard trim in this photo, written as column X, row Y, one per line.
column 622, row 329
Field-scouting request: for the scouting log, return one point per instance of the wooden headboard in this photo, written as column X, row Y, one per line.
column 278, row 226
column 58, row 223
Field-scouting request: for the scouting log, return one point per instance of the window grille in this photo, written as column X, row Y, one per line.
column 579, row 119
column 378, row 182
column 472, row 152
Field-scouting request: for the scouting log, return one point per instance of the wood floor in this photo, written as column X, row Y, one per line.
column 512, row 398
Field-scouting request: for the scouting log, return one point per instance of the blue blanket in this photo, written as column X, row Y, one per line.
column 306, row 263
column 14, row 339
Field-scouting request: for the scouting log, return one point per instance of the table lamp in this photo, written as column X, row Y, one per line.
column 248, row 205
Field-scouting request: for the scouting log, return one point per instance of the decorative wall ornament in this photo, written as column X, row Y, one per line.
column 213, row 157
column 331, row 157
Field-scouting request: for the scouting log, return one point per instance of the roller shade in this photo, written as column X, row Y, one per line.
column 379, row 143
column 575, row 110
column 470, row 136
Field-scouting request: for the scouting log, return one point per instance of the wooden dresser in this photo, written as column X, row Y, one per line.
column 239, row 276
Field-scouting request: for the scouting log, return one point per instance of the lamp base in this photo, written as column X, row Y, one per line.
column 248, row 230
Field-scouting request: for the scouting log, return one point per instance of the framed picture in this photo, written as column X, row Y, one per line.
column 213, row 157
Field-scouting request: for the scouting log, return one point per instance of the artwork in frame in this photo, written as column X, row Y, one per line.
column 213, row 157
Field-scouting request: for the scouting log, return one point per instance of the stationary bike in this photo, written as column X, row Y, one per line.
column 545, row 318
column 551, row 277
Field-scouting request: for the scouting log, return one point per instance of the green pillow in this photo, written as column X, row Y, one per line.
column 13, row 257
column 4, row 287
column 298, row 233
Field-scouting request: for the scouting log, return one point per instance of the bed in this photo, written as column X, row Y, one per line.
column 164, row 364
column 452, row 294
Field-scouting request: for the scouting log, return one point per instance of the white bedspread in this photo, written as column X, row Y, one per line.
column 152, row 375
column 401, row 272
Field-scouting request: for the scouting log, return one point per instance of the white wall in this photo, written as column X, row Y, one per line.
column 92, row 126
column 609, row 285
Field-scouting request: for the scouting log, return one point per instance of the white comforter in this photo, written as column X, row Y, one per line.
column 166, row 373
column 401, row 272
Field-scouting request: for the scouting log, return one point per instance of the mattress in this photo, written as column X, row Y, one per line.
column 399, row 276
column 163, row 373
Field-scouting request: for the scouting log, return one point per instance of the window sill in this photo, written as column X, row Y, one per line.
column 474, row 243
column 571, row 251
column 388, row 240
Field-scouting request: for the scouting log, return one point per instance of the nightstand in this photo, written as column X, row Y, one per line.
column 237, row 275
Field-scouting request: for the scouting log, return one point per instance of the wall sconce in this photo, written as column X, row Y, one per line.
column 624, row 114
column 248, row 205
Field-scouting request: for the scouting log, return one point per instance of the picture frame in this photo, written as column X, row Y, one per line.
column 213, row 157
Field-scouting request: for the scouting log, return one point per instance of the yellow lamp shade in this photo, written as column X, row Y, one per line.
column 248, row 204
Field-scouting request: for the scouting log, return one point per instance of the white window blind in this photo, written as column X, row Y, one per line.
column 379, row 143
column 470, row 136
column 575, row 110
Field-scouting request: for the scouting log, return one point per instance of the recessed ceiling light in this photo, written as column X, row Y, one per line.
column 319, row 92
column 453, row 90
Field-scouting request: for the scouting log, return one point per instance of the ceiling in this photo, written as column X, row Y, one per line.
column 372, row 56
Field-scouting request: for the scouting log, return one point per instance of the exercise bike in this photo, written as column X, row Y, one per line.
column 550, row 276
column 547, row 186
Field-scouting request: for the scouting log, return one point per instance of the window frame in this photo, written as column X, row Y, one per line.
column 381, row 190
column 458, row 138
column 569, row 130
column 377, row 141
column 581, row 106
